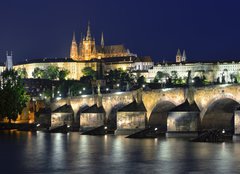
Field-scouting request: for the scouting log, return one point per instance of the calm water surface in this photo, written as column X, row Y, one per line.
column 26, row 152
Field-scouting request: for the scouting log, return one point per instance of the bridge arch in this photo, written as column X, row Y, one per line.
column 158, row 115
column 218, row 113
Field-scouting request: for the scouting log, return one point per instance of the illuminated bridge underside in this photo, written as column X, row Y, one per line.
column 158, row 116
column 220, row 114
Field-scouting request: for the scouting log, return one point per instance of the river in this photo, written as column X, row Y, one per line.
column 26, row 152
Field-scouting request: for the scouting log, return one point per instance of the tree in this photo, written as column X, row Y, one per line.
column 88, row 71
column 13, row 95
column 63, row 74
column 22, row 73
column 51, row 72
column 37, row 73
column 161, row 76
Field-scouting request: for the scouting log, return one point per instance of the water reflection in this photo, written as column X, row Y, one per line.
column 75, row 153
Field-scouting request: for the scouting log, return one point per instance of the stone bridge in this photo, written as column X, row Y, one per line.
column 216, row 103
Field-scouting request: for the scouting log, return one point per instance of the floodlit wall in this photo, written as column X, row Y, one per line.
column 91, row 120
column 59, row 119
column 237, row 122
column 131, row 120
column 182, row 121
column 74, row 68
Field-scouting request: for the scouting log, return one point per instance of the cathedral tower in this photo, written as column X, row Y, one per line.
column 88, row 49
column 184, row 57
column 74, row 49
column 178, row 56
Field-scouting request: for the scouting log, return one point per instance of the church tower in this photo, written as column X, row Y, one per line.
column 80, row 47
column 178, row 56
column 88, row 49
column 184, row 57
column 9, row 61
column 102, row 40
column 74, row 49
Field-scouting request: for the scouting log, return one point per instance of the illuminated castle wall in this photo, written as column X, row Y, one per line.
column 74, row 67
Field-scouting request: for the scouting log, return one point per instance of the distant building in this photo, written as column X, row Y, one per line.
column 222, row 72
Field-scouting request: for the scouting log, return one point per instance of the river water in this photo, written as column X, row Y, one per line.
column 26, row 152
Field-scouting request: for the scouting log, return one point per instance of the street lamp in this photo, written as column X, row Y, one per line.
column 80, row 92
column 84, row 88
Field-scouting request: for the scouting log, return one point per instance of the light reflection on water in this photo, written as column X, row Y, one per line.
column 26, row 152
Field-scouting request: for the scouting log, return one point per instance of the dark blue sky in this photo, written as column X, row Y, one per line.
column 207, row 29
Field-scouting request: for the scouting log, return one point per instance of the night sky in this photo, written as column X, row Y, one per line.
column 207, row 29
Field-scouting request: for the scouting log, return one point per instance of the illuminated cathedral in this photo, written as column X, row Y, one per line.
column 87, row 48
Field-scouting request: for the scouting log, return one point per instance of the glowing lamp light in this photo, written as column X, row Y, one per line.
column 223, row 131
column 105, row 127
column 156, row 129
column 84, row 89
column 58, row 98
column 38, row 125
column 68, row 126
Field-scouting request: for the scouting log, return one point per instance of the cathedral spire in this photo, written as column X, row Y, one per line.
column 178, row 56
column 74, row 48
column 88, row 32
column 74, row 38
column 184, row 57
column 179, row 52
column 102, row 40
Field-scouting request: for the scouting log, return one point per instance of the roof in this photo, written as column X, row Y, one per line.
column 213, row 62
column 44, row 111
column 94, row 109
column 49, row 60
column 133, row 107
column 186, row 106
column 64, row 109
column 112, row 49
column 120, row 59
column 146, row 59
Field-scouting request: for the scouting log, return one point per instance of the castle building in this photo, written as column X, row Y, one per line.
column 222, row 72
column 87, row 48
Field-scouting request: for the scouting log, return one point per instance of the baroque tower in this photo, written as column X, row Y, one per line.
column 74, row 49
column 178, row 56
